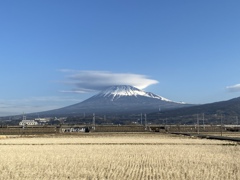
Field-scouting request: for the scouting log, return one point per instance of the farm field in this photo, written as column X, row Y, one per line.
column 117, row 156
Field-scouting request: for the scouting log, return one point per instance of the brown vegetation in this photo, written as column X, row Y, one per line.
column 118, row 156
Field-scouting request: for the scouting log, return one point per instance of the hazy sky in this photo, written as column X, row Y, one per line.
column 54, row 53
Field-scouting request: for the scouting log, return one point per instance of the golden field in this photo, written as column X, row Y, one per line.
column 118, row 156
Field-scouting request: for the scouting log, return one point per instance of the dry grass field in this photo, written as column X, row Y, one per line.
column 118, row 156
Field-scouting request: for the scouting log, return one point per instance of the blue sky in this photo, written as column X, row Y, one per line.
column 54, row 53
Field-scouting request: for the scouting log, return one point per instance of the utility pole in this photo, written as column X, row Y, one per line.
column 166, row 128
column 94, row 121
column 145, row 120
column 141, row 118
column 203, row 121
column 237, row 119
column 24, row 117
column 197, row 124
column 221, row 124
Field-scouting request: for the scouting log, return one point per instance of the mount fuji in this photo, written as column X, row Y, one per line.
column 119, row 99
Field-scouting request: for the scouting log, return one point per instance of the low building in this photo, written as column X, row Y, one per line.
column 42, row 120
column 28, row 123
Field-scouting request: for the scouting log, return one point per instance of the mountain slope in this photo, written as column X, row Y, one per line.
column 119, row 99
column 213, row 112
column 229, row 107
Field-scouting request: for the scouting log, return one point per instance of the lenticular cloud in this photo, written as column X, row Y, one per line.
column 89, row 81
column 234, row 88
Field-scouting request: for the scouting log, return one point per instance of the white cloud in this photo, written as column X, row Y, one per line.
column 234, row 88
column 90, row 81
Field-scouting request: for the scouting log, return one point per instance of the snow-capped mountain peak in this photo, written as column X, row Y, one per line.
column 116, row 92
column 122, row 99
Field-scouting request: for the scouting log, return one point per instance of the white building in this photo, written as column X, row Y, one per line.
column 42, row 120
column 28, row 123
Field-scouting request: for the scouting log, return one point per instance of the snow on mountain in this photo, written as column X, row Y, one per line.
column 125, row 90
column 120, row 99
